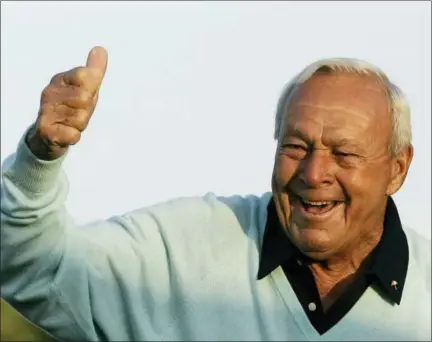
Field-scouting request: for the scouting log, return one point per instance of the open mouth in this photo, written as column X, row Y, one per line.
column 316, row 207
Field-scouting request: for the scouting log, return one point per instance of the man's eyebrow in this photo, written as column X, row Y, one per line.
column 345, row 142
column 349, row 143
column 333, row 108
column 294, row 132
column 338, row 143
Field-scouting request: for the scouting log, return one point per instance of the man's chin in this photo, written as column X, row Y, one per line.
column 314, row 245
column 318, row 255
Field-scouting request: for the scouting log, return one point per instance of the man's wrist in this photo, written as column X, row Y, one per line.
column 28, row 171
column 39, row 148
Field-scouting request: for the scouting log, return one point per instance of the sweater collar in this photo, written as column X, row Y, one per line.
column 389, row 260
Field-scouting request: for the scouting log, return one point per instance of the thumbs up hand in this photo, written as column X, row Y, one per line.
column 67, row 104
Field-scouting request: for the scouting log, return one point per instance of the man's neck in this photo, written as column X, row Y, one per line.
column 335, row 274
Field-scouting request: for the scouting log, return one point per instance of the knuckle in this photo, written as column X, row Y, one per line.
column 45, row 131
column 60, row 134
column 76, row 98
column 84, row 97
column 62, row 129
column 82, row 119
column 77, row 119
column 68, row 136
column 44, row 108
column 79, row 75
column 47, row 93
column 75, row 137
column 57, row 78
column 82, row 115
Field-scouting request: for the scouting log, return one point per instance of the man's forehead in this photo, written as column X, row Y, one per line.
column 337, row 137
column 348, row 93
column 367, row 81
column 333, row 108
column 342, row 86
column 338, row 105
column 344, row 127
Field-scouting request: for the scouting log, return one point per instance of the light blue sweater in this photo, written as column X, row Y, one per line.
column 182, row 270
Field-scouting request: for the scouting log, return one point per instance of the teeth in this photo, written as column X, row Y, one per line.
column 317, row 203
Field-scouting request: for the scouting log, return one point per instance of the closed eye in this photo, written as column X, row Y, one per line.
column 295, row 146
column 294, row 151
column 344, row 154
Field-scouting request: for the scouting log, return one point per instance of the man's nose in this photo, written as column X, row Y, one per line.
column 316, row 169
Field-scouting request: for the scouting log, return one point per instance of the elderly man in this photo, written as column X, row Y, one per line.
column 324, row 257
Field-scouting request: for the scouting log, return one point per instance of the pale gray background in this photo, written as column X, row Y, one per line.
column 188, row 101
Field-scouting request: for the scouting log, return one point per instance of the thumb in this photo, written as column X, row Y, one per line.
column 97, row 61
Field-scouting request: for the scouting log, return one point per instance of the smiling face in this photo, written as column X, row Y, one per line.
column 333, row 172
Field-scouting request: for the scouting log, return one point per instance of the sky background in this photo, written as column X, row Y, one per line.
column 187, row 105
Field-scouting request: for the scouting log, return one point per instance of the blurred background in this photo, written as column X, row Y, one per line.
column 188, row 102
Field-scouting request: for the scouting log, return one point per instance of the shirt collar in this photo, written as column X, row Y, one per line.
column 389, row 261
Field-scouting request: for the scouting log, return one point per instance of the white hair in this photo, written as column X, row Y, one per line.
column 400, row 111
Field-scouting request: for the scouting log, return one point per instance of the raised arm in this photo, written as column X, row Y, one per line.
column 112, row 280
column 60, row 277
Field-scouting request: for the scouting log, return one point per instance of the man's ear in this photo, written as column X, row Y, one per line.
column 399, row 168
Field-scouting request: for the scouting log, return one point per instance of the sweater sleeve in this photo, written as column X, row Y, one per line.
column 87, row 283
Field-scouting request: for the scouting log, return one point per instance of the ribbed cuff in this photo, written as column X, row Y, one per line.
column 31, row 173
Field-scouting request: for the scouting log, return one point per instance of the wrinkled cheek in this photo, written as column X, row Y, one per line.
column 281, row 178
column 282, row 206
column 282, row 203
column 279, row 184
column 283, row 172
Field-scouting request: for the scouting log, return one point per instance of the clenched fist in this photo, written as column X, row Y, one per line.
column 67, row 105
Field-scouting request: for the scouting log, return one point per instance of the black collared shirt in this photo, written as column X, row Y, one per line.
column 385, row 270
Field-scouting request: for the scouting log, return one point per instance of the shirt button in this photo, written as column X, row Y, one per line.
column 312, row 306
column 299, row 262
